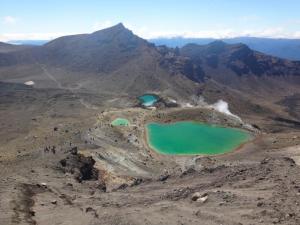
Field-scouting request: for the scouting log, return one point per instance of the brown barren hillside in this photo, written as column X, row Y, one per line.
column 62, row 161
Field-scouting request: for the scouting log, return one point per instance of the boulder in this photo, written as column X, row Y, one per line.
column 199, row 197
column 202, row 199
column 80, row 166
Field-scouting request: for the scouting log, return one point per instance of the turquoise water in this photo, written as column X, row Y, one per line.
column 148, row 99
column 120, row 122
column 185, row 138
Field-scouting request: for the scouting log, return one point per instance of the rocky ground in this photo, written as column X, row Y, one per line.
column 62, row 163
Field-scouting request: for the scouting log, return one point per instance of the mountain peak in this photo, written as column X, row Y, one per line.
column 219, row 43
column 103, row 50
column 116, row 29
column 120, row 25
column 216, row 47
column 242, row 46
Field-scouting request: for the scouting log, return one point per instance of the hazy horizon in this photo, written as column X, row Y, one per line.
column 190, row 19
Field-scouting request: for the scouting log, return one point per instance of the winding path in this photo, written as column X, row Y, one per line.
column 51, row 77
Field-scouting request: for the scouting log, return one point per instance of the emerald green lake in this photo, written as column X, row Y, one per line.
column 148, row 99
column 185, row 138
column 120, row 122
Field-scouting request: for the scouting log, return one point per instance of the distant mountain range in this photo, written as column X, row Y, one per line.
column 283, row 48
column 28, row 42
column 114, row 61
column 5, row 47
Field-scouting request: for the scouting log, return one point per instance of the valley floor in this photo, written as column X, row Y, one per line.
column 258, row 184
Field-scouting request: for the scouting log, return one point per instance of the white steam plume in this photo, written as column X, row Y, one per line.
column 222, row 107
column 29, row 83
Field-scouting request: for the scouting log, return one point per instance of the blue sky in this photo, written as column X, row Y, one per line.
column 36, row 19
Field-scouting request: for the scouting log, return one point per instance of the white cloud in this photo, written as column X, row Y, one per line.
column 273, row 32
column 9, row 20
column 145, row 32
column 31, row 36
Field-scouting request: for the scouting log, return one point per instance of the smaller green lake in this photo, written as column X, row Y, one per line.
column 186, row 138
column 120, row 122
column 148, row 99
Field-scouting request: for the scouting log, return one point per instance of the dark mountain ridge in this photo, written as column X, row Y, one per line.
column 279, row 47
column 5, row 47
column 240, row 59
column 101, row 51
column 115, row 59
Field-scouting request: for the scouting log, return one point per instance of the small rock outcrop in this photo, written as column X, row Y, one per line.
column 197, row 196
column 81, row 166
